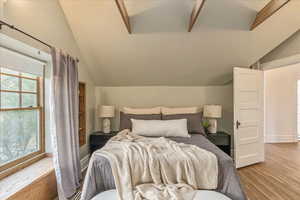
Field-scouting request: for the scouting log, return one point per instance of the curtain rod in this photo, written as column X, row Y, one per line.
column 2, row 23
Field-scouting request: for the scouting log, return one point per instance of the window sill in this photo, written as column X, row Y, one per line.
column 10, row 185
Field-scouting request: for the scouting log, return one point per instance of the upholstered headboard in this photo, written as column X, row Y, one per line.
column 125, row 122
column 192, row 114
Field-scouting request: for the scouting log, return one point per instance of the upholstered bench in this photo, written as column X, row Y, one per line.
column 201, row 194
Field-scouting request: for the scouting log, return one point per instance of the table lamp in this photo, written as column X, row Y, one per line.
column 212, row 112
column 106, row 112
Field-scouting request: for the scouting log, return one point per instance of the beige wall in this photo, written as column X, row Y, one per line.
column 288, row 48
column 281, row 104
column 45, row 19
column 169, row 96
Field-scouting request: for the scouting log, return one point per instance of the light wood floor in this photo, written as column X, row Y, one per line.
column 278, row 178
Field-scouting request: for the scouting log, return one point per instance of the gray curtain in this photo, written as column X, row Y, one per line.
column 64, row 120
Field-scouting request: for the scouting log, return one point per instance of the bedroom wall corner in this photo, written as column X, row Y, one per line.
column 288, row 48
column 99, row 102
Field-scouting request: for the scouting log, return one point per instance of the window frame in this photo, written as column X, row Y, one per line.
column 22, row 162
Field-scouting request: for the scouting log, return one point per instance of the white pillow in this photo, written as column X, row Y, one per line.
column 183, row 110
column 160, row 128
column 142, row 111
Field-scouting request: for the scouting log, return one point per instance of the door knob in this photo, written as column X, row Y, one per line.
column 237, row 124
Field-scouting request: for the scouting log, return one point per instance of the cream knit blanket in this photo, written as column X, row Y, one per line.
column 158, row 168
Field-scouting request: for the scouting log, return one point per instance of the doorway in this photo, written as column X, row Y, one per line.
column 282, row 104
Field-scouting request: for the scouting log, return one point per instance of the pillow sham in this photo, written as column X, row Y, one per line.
column 183, row 110
column 125, row 122
column 160, row 128
column 142, row 111
column 194, row 121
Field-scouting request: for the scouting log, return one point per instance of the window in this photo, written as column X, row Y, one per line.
column 21, row 117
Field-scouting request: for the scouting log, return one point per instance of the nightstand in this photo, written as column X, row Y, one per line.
column 221, row 140
column 99, row 139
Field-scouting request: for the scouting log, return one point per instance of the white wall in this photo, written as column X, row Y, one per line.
column 281, row 104
column 170, row 96
column 45, row 19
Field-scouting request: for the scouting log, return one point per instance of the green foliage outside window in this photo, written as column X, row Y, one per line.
column 19, row 115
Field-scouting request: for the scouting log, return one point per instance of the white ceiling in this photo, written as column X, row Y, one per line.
column 160, row 51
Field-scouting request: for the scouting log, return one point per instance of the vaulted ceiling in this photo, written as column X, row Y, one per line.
column 160, row 51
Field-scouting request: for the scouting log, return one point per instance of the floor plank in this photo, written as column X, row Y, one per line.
column 278, row 178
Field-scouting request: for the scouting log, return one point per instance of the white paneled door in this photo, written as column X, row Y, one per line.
column 248, row 116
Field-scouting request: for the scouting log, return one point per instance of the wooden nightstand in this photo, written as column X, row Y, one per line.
column 99, row 139
column 221, row 140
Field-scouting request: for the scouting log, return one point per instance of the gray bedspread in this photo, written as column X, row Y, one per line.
column 99, row 176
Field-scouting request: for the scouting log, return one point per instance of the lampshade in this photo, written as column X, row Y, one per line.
column 106, row 111
column 212, row 111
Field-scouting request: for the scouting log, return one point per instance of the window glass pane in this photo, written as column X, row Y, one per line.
column 28, row 75
column 10, row 100
column 9, row 83
column 20, row 136
column 29, row 100
column 29, row 85
column 8, row 71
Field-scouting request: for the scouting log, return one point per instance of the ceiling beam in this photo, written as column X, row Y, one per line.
column 124, row 14
column 271, row 8
column 195, row 13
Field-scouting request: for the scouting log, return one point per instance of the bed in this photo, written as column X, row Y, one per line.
column 200, row 195
column 99, row 176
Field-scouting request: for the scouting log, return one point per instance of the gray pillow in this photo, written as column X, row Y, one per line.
column 194, row 121
column 125, row 122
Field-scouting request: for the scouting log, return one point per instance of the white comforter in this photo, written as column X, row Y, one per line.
column 158, row 168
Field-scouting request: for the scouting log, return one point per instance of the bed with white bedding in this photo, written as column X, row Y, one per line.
column 149, row 168
column 99, row 177
column 181, row 123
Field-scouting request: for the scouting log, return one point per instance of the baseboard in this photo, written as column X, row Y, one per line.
column 84, row 162
column 281, row 138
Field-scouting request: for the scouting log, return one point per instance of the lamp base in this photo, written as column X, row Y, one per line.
column 213, row 126
column 106, row 126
